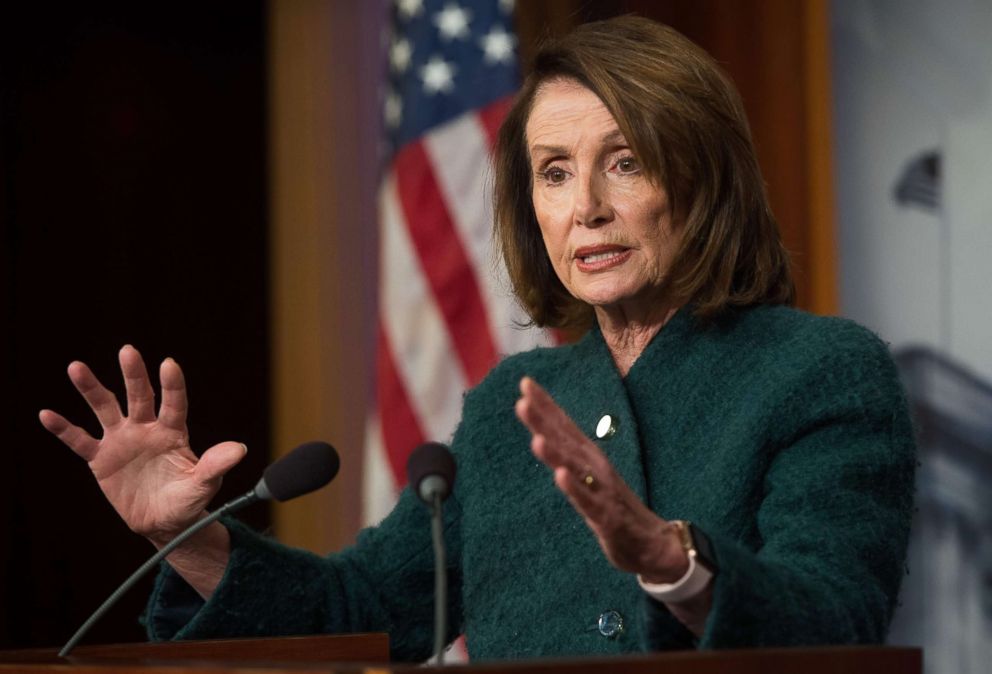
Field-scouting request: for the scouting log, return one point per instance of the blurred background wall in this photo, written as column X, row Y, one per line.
column 199, row 179
column 913, row 151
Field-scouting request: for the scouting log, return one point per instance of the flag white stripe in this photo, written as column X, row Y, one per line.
column 458, row 152
column 422, row 348
column 378, row 484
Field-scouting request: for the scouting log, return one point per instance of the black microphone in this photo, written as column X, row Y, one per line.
column 431, row 473
column 431, row 470
column 303, row 470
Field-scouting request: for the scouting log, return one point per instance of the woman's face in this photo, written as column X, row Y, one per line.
column 607, row 227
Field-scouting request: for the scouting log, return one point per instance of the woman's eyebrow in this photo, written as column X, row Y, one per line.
column 614, row 137
column 548, row 149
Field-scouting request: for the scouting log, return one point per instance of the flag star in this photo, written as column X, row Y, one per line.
column 399, row 55
column 438, row 75
column 393, row 109
column 497, row 46
column 409, row 8
column 452, row 22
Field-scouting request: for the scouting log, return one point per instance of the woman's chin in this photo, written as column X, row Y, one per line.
column 629, row 300
column 602, row 289
column 608, row 300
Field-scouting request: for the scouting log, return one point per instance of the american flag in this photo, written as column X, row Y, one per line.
column 446, row 314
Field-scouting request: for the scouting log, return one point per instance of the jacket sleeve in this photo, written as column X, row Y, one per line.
column 834, row 519
column 384, row 583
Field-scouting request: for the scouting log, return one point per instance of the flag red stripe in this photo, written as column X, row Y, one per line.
column 401, row 431
column 493, row 115
column 445, row 264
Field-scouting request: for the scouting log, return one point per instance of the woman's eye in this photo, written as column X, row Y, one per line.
column 627, row 165
column 555, row 175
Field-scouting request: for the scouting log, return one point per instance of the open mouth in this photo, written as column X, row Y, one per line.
column 597, row 258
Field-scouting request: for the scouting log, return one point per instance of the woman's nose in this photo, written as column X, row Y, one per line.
column 591, row 207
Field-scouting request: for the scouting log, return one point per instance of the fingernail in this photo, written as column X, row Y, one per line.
column 244, row 447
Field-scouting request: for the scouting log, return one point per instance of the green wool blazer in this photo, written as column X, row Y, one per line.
column 785, row 437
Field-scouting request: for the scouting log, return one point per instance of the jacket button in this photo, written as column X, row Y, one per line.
column 610, row 624
column 606, row 427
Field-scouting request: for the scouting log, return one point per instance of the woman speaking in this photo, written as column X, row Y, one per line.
column 703, row 467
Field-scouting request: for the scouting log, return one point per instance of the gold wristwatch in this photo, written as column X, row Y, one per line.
column 696, row 544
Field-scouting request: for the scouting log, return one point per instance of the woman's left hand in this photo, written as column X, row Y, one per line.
column 633, row 538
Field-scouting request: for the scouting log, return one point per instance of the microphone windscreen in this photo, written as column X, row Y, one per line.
column 430, row 458
column 306, row 468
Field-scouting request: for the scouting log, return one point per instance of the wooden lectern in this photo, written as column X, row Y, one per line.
column 369, row 654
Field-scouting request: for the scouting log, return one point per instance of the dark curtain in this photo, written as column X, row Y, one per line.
column 133, row 206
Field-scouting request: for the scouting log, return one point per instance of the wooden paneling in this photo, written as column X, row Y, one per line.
column 324, row 145
column 327, row 653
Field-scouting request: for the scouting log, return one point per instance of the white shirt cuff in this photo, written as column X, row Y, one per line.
column 692, row 583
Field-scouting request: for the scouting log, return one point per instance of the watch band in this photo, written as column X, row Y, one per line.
column 697, row 544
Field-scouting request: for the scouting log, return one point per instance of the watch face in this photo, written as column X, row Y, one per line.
column 703, row 548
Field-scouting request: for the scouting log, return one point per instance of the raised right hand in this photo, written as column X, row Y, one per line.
column 144, row 463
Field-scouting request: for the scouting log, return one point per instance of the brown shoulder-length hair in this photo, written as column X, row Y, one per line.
column 684, row 120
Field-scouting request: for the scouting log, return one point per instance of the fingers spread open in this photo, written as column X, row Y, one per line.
column 219, row 459
column 78, row 440
column 174, row 405
column 140, row 395
column 101, row 401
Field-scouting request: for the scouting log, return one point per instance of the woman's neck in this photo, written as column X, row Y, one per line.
column 628, row 330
